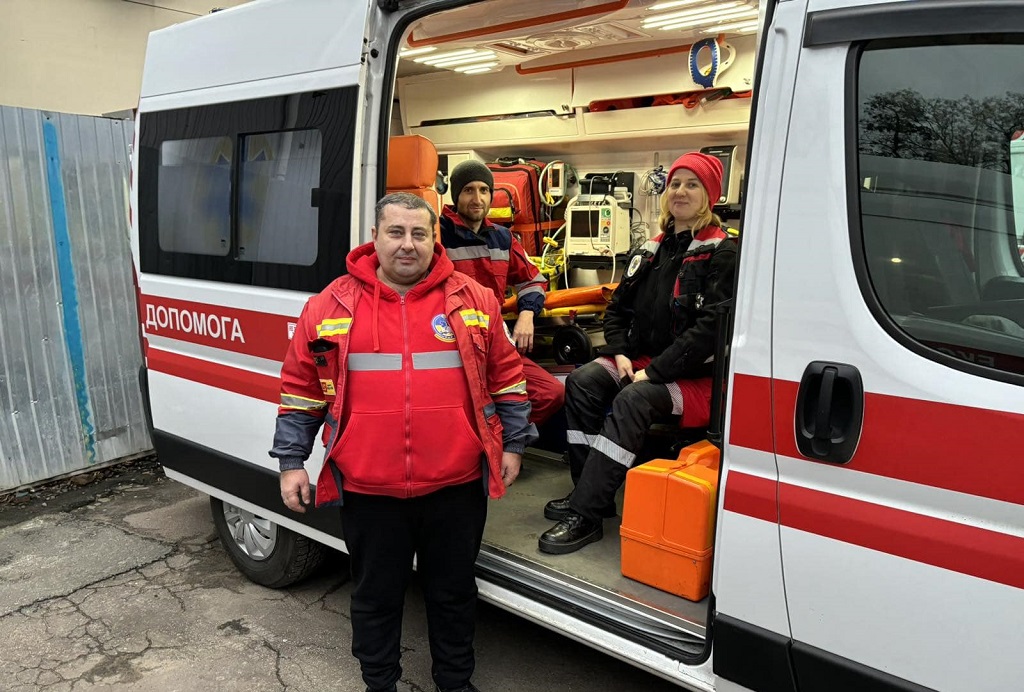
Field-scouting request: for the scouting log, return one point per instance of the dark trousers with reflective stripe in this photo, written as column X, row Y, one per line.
column 444, row 530
column 589, row 391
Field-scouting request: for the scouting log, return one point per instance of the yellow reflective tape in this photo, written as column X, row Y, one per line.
column 517, row 388
column 301, row 403
column 330, row 327
column 304, row 408
column 475, row 318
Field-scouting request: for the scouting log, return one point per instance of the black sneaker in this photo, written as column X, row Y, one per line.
column 556, row 510
column 569, row 535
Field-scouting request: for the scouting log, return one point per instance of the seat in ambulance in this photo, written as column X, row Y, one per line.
column 412, row 167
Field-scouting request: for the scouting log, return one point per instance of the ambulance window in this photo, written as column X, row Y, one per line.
column 194, row 188
column 255, row 192
column 940, row 196
column 276, row 221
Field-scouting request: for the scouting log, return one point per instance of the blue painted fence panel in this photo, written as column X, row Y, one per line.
column 69, row 345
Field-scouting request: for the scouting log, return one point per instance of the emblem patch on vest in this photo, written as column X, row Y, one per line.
column 634, row 265
column 442, row 330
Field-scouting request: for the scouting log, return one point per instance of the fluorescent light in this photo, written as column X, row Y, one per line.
column 687, row 14
column 741, row 26
column 697, row 21
column 409, row 52
column 477, row 69
column 673, row 3
column 445, row 56
column 473, row 68
column 464, row 59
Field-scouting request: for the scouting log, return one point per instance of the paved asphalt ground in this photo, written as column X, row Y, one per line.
column 116, row 580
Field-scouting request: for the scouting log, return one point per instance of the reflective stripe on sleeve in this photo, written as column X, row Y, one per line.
column 475, row 318
column 332, row 327
column 517, row 388
column 301, row 403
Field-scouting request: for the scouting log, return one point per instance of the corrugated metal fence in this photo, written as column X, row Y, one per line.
column 69, row 344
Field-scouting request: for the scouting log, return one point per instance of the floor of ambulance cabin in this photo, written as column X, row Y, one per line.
column 516, row 521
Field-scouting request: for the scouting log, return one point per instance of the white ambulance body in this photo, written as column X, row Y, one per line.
column 870, row 524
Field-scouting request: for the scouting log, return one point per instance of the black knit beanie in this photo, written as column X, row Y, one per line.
column 468, row 172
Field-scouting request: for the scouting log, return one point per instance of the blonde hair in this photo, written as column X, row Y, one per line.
column 705, row 217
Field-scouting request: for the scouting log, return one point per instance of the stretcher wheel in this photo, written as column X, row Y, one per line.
column 572, row 345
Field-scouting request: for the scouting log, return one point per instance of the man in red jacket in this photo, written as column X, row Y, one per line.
column 411, row 363
column 491, row 255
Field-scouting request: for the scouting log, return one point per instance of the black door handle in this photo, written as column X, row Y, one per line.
column 829, row 411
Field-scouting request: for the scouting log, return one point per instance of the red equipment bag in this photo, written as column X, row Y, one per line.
column 516, row 202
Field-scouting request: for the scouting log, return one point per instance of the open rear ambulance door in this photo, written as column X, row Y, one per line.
column 898, row 350
column 246, row 202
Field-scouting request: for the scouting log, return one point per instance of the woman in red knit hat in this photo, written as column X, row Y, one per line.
column 660, row 334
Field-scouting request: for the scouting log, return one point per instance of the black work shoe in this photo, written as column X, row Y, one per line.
column 569, row 535
column 393, row 688
column 468, row 687
column 557, row 509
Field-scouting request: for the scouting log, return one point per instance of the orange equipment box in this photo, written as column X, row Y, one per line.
column 667, row 529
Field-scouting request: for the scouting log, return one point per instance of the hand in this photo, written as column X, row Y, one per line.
column 640, row 376
column 523, row 332
column 295, row 486
column 510, row 465
column 625, row 366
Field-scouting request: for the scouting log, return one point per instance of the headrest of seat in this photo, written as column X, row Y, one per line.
column 412, row 162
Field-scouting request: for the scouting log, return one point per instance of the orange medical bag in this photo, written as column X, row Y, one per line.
column 667, row 531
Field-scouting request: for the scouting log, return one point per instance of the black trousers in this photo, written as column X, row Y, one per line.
column 602, row 445
column 444, row 530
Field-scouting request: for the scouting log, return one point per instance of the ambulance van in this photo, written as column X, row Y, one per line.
column 868, row 524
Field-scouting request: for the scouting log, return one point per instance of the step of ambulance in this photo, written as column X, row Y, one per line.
column 667, row 530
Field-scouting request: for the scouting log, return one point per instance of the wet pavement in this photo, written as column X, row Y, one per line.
column 118, row 581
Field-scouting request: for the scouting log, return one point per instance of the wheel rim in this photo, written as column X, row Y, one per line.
column 254, row 536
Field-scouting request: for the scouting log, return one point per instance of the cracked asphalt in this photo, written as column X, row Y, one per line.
column 122, row 584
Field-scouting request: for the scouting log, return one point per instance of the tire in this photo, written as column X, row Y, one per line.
column 266, row 553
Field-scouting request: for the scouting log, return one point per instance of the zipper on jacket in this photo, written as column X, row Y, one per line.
column 407, row 371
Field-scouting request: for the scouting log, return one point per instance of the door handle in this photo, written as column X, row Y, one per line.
column 829, row 411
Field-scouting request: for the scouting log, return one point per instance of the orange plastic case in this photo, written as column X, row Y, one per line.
column 667, row 530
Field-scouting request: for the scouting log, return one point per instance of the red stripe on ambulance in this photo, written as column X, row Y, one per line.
column 960, row 448
column 244, row 382
column 950, row 545
column 260, row 334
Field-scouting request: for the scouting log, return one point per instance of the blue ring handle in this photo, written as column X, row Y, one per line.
column 707, row 81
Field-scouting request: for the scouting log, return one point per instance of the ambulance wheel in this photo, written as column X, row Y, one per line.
column 266, row 553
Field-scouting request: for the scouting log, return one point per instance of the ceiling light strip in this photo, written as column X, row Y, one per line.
column 674, row 3
column 672, row 16
column 733, row 14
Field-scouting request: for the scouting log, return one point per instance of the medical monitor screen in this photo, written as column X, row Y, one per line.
column 585, row 223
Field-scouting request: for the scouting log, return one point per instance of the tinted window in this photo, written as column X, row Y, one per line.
column 276, row 222
column 194, row 188
column 254, row 192
column 939, row 213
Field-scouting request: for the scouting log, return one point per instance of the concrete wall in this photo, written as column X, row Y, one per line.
column 82, row 56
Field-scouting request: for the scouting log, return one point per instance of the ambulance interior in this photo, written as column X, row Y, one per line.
column 601, row 100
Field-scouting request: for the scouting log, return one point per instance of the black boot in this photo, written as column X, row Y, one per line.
column 555, row 510
column 569, row 535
